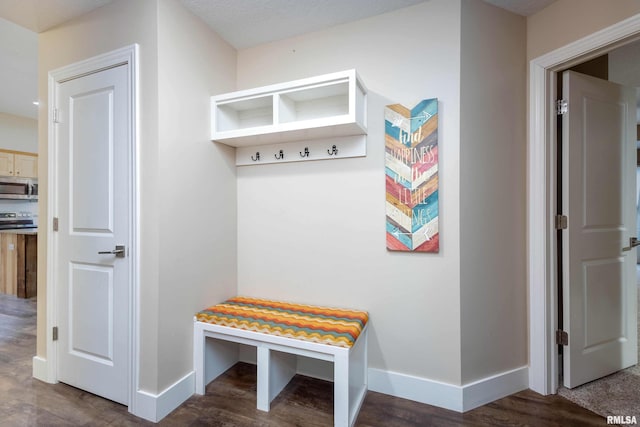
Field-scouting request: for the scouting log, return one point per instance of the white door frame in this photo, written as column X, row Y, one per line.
column 129, row 56
column 541, row 194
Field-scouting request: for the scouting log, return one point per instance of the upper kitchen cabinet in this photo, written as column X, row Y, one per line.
column 327, row 106
column 6, row 163
column 18, row 163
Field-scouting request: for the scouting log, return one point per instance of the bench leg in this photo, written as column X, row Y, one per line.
column 350, row 383
column 275, row 370
column 198, row 357
column 358, row 376
column 341, row 390
column 211, row 358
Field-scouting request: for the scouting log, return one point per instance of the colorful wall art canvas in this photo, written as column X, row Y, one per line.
column 411, row 161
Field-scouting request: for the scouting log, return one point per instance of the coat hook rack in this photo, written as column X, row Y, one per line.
column 257, row 157
column 280, row 155
column 334, row 151
column 306, row 152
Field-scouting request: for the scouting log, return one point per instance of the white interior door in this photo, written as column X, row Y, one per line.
column 93, row 210
column 598, row 179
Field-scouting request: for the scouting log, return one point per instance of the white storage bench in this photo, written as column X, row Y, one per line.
column 281, row 331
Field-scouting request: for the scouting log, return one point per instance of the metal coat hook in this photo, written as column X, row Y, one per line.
column 306, row 152
column 334, row 151
column 280, row 155
column 255, row 159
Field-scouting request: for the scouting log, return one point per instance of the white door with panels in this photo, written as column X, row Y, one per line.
column 93, row 198
column 598, row 187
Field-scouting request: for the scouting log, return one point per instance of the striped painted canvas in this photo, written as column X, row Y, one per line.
column 411, row 163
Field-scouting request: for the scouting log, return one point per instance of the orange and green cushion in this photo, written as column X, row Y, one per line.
column 325, row 325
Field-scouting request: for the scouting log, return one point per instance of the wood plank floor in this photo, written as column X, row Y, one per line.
column 230, row 400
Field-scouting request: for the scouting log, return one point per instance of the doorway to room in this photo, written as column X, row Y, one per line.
column 596, row 203
column 542, row 202
column 92, row 279
column 603, row 385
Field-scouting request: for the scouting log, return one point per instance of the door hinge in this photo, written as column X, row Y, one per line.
column 562, row 338
column 55, row 223
column 56, row 115
column 561, row 107
column 55, row 333
column 561, row 222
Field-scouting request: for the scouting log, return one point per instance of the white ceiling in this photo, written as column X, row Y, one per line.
column 522, row 7
column 243, row 23
column 246, row 23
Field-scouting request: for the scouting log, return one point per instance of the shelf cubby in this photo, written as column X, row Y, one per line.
column 244, row 114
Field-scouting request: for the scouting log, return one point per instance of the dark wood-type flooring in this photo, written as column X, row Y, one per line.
column 231, row 401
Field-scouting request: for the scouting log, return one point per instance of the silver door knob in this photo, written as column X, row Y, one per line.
column 633, row 242
column 119, row 251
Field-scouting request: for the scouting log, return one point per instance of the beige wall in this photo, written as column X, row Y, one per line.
column 492, row 191
column 315, row 231
column 197, row 223
column 624, row 66
column 565, row 21
column 18, row 133
column 187, row 184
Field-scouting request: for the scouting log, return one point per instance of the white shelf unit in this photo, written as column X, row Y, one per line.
column 311, row 112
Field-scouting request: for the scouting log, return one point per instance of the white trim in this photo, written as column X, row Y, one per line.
column 418, row 389
column 154, row 407
column 39, row 368
column 543, row 363
column 449, row 396
column 52, row 161
column 127, row 55
column 494, row 387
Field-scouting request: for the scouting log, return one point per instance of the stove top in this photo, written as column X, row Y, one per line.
column 14, row 220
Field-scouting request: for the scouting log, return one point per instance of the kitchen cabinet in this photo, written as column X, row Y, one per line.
column 18, row 163
column 26, row 265
column 18, row 264
column 8, row 264
column 26, row 165
column 6, row 163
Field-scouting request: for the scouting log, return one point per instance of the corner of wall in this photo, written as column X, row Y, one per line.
column 492, row 159
column 154, row 407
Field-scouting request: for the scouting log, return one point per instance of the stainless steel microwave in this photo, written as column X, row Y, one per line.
column 18, row 188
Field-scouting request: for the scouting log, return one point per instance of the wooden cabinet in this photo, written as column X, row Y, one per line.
column 308, row 119
column 27, row 265
column 8, row 263
column 18, row 264
column 6, row 163
column 18, row 163
column 26, row 165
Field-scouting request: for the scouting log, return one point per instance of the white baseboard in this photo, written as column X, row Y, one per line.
column 448, row 396
column 154, row 407
column 418, row 389
column 40, row 369
column 495, row 387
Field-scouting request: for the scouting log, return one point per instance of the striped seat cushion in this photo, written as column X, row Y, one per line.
column 333, row 326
